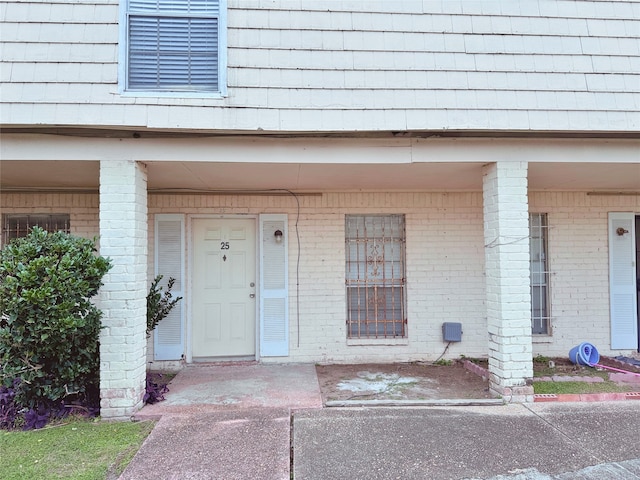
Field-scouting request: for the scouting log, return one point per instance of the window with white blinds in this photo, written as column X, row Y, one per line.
column 174, row 45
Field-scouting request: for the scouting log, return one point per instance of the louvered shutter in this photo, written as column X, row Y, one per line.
column 622, row 281
column 174, row 45
column 169, row 262
column 274, row 287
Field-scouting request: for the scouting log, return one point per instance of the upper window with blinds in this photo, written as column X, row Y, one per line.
column 175, row 46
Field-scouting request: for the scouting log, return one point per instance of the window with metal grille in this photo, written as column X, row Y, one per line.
column 375, row 276
column 540, row 314
column 18, row 225
column 175, row 45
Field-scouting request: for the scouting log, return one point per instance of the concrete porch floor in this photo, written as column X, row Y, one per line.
column 213, row 387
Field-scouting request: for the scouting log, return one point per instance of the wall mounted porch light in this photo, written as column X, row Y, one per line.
column 278, row 235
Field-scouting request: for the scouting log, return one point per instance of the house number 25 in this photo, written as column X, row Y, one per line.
column 224, row 245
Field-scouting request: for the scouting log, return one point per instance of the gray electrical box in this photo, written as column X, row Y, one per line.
column 452, row 332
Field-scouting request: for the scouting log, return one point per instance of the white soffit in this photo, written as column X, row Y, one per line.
column 202, row 177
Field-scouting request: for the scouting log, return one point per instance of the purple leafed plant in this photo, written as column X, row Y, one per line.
column 14, row 415
column 36, row 418
column 156, row 388
column 8, row 407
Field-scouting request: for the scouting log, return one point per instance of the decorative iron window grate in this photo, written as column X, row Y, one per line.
column 539, row 267
column 19, row 225
column 375, row 276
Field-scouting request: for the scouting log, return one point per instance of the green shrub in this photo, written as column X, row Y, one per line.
column 49, row 328
column 159, row 303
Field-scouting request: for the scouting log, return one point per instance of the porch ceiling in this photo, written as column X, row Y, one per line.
column 196, row 176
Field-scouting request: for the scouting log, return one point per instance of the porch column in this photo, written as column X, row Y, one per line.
column 123, row 238
column 508, row 295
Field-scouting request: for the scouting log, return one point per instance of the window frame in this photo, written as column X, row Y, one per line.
column 545, row 297
column 52, row 223
column 123, row 64
column 358, row 328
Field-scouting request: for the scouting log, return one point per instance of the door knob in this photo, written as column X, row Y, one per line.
column 252, row 295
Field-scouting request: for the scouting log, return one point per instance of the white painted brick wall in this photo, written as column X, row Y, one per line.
column 442, row 229
column 82, row 208
column 123, row 236
column 506, row 237
column 579, row 264
column 445, row 264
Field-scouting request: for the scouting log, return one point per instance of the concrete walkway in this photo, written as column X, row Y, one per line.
column 266, row 422
column 538, row 441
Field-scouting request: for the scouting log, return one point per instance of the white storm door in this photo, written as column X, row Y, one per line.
column 224, row 291
column 622, row 281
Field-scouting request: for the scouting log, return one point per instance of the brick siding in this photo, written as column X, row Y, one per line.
column 445, row 264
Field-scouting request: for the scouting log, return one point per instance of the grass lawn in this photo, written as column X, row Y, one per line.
column 577, row 387
column 75, row 449
column 549, row 367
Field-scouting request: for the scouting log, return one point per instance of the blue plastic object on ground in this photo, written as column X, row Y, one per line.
column 584, row 354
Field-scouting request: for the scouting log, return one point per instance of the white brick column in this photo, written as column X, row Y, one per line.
column 123, row 238
column 508, row 295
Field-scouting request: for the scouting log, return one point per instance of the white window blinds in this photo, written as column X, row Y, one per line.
column 173, row 45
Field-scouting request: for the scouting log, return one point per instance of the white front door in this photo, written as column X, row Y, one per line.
column 224, row 290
